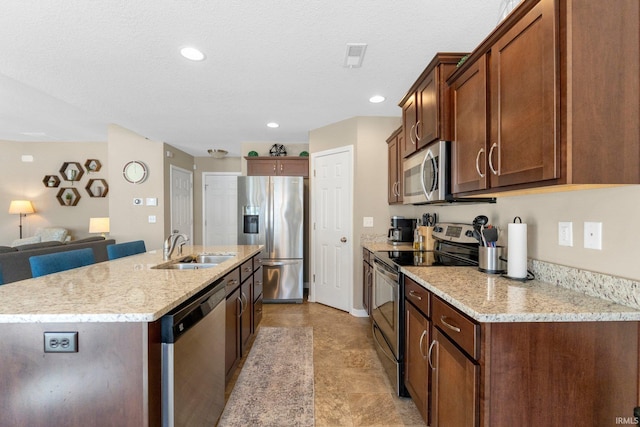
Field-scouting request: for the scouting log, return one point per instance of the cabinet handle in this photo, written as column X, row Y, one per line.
column 274, row 167
column 281, row 167
column 448, row 325
column 478, row 161
column 241, row 307
column 424, row 334
column 493, row 170
column 411, row 133
column 429, row 354
column 416, row 296
column 418, row 125
column 248, row 269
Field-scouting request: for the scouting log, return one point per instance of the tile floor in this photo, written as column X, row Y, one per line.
column 351, row 388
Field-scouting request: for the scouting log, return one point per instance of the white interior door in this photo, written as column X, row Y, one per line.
column 332, row 219
column 182, row 201
column 220, row 195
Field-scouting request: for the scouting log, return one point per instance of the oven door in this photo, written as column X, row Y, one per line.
column 386, row 304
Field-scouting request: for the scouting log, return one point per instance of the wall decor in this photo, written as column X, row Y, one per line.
column 135, row 172
column 97, row 187
column 51, row 181
column 68, row 196
column 71, row 171
column 92, row 165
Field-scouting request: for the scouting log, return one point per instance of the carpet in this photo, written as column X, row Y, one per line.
column 275, row 386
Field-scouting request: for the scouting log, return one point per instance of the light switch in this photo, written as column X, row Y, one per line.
column 152, row 201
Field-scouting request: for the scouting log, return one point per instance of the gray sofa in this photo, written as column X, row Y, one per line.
column 14, row 262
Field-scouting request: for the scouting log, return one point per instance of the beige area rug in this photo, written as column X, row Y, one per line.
column 275, row 386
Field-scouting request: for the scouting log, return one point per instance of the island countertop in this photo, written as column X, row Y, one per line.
column 127, row 289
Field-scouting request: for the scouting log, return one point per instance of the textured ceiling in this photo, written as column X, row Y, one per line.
column 69, row 68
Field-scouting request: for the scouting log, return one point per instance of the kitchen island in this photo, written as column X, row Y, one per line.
column 115, row 307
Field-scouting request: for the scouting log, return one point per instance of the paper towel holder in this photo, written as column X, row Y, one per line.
column 529, row 276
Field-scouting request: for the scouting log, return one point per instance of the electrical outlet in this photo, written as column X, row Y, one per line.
column 61, row 342
column 367, row 221
column 593, row 235
column 565, row 233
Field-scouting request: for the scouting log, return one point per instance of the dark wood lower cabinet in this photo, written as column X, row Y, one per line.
column 417, row 372
column 454, row 390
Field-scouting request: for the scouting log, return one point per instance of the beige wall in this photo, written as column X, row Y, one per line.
column 23, row 180
column 128, row 221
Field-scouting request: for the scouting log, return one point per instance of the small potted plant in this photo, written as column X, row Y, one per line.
column 68, row 197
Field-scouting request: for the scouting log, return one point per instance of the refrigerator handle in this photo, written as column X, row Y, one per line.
column 279, row 263
column 270, row 215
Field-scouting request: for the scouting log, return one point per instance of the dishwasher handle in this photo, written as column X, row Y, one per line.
column 178, row 321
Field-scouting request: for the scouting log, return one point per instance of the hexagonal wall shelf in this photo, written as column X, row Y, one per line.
column 51, row 181
column 92, row 165
column 71, row 171
column 97, row 188
column 65, row 200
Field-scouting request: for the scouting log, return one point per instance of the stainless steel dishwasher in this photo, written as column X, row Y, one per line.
column 193, row 339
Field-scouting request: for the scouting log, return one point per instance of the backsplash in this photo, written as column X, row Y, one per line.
column 617, row 289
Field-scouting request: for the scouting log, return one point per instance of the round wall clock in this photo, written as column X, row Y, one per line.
column 278, row 150
column 135, row 172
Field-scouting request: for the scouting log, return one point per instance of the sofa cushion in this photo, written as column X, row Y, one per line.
column 86, row 240
column 26, row 241
column 48, row 234
column 4, row 249
column 39, row 245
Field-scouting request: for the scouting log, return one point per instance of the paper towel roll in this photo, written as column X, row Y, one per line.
column 517, row 250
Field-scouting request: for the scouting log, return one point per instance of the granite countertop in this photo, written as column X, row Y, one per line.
column 127, row 289
column 492, row 298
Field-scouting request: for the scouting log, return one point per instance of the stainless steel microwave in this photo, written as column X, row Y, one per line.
column 426, row 175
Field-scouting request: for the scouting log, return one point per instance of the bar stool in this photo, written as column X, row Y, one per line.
column 119, row 250
column 60, row 261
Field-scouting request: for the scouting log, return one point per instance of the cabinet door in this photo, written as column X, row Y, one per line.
column 409, row 118
column 246, row 314
column 392, row 191
column 293, row 167
column 416, row 373
column 454, row 386
column 261, row 167
column 523, row 145
column 428, row 111
column 470, row 132
column 232, row 325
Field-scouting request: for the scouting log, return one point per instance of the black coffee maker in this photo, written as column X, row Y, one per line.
column 401, row 230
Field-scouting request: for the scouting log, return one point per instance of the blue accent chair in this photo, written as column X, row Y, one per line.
column 120, row 250
column 42, row 265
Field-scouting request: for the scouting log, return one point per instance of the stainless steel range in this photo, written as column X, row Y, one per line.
column 455, row 245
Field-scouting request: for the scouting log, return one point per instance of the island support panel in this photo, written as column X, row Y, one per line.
column 114, row 377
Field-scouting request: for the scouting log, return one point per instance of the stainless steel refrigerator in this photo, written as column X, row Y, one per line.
column 271, row 210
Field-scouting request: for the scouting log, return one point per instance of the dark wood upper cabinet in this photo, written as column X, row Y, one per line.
column 425, row 107
column 277, row 166
column 561, row 100
column 395, row 184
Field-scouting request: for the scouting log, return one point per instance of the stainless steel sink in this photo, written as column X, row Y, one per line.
column 186, row 266
column 212, row 258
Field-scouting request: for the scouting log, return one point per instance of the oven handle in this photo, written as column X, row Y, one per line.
column 380, row 268
column 373, row 333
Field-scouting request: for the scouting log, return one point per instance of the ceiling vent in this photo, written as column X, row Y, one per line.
column 355, row 55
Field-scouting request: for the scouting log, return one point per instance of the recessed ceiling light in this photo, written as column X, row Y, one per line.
column 376, row 99
column 273, row 125
column 192, row 53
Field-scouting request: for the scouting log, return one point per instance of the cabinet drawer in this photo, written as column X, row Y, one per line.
column 257, row 261
column 246, row 270
column 231, row 281
column 419, row 296
column 456, row 326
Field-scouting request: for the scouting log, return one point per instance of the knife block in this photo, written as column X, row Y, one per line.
column 426, row 232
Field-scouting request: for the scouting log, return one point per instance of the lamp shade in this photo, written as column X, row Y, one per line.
column 21, row 207
column 99, row 225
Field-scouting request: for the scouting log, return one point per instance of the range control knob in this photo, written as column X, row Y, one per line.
column 438, row 229
column 469, row 233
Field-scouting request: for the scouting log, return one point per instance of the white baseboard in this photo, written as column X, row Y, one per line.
column 359, row 312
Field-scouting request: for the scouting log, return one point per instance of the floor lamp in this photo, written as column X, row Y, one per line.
column 22, row 208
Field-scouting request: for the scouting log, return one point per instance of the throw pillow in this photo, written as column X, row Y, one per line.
column 49, row 234
column 26, row 241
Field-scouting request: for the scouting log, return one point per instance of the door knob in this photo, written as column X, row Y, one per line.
column 343, row 240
